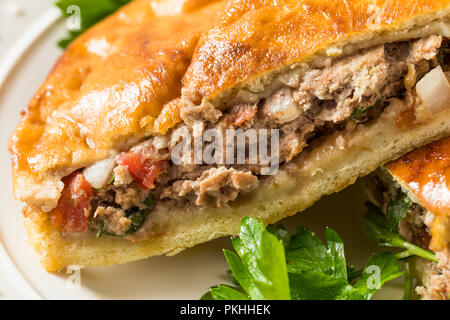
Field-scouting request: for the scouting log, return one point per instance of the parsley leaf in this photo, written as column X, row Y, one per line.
column 320, row 272
column 281, row 233
column 379, row 269
column 259, row 265
column 232, row 278
column 261, row 270
column 313, row 269
column 397, row 209
column 309, row 253
column 91, row 11
column 336, row 252
column 223, row 292
column 353, row 273
column 378, row 228
column 314, row 285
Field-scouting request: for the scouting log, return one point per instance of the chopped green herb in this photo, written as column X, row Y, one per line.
column 101, row 231
column 137, row 218
column 113, row 178
column 359, row 114
column 149, row 201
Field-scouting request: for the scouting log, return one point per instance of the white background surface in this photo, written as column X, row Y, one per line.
column 186, row 276
column 15, row 17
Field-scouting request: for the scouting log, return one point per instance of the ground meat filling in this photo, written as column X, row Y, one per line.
column 114, row 219
column 336, row 96
column 220, row 185
column 327, row 97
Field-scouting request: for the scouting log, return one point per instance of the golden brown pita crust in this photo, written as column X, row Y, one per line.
column 105, row 92
column 257, row 37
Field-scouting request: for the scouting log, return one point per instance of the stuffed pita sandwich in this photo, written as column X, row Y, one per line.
column 106, row 156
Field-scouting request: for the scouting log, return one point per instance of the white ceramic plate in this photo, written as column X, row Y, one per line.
column 186, row 276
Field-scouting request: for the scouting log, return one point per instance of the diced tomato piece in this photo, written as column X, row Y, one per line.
column 70, row 214
column 142, row 168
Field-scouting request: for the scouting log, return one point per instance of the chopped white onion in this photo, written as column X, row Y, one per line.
column 282, row 106
column 160, row 142
column 290, row 79
column 434, row 90
column 100, row 172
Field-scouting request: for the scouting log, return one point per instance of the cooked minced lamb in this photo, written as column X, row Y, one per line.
column 338, row 95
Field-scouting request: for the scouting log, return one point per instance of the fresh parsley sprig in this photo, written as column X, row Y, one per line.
column 381, row 229
column 319, row 271
column 384, row 229
column 277, row 265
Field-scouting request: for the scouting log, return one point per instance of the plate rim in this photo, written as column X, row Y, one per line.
column 7, row 65
column 21, row 46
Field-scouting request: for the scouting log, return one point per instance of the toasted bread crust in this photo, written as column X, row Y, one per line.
column 107, row 90
column 257, row 39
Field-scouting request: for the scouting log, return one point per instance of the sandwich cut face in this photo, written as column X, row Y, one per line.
column 133, row 169
column 423, row 175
